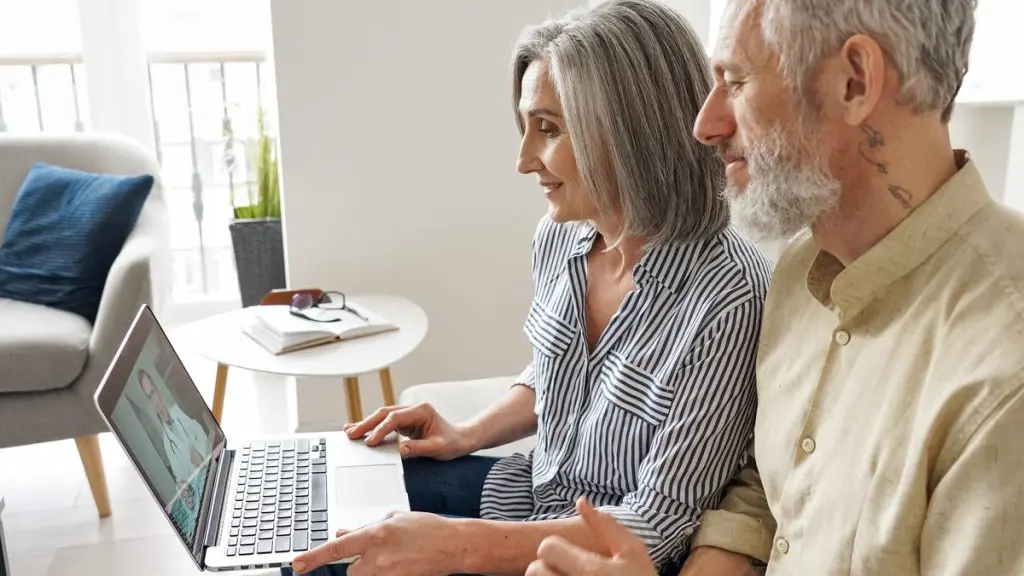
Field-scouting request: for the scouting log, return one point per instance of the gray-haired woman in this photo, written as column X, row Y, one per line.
column 644, row 322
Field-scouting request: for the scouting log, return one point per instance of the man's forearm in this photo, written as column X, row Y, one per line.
column 508, row 548
column 511, row 419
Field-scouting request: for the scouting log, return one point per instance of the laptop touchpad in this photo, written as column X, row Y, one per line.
column 363, row 486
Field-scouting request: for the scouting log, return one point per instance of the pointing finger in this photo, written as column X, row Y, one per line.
column 348, row 546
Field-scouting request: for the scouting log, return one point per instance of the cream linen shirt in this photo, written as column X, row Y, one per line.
column 890, row 424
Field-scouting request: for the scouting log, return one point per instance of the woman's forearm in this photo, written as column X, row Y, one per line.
column 508, row 420
column 508, row 548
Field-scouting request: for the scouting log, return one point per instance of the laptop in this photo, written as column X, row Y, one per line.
column 242, row 505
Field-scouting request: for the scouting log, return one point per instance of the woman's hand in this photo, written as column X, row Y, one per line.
column 405, row 544
column 430, row 435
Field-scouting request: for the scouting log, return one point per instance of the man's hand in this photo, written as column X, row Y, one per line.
column 628, row 554
column 430, row 435
column 708, row 561
column 406, row 544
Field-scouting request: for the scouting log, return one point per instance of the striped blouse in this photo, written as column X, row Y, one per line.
column 652, row 424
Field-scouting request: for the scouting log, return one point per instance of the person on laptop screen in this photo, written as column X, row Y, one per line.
column 186, row 442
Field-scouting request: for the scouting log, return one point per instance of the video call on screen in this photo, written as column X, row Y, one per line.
column 169, row 432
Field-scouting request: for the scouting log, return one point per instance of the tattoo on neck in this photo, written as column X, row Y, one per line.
column 874, row 140
column 901, row 195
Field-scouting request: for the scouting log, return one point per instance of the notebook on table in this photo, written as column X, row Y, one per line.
column 277, row 330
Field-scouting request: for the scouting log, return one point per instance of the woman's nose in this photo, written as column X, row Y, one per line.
column 528, row 161
column 716, row 122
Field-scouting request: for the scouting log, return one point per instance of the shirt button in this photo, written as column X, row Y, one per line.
column 782, row 546
column 807, row 444
column 843, row 337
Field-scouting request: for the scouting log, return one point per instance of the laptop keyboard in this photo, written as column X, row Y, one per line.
column 280, row 499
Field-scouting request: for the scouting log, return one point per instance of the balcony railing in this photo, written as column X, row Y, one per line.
column 43, row 93
column 204, row 114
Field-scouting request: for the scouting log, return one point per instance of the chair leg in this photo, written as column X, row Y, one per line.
column 355, row 403
column 385, row 386
column 89, row 452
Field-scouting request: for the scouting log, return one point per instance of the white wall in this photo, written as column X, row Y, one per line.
column 398, row 164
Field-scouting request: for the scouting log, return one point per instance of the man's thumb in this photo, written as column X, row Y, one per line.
column 420, row 448
column 615, row 537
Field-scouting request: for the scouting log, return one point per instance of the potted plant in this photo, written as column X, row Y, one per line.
column 256, row 227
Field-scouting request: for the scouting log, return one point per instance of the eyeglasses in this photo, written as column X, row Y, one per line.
column 303, row 301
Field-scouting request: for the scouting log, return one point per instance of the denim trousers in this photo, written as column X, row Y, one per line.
column 444, row 488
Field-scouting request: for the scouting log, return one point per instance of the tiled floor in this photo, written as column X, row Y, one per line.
column 50, row 520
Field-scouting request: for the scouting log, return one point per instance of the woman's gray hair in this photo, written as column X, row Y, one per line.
column 928, row 41
column 632, row 76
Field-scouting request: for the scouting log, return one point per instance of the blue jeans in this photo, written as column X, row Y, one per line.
column 444, row 488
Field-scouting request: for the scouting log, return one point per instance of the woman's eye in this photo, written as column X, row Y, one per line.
column 548, row 128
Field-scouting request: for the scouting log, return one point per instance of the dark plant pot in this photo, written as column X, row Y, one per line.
column 259, row 257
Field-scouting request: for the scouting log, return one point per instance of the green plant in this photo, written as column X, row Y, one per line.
column 265, row 200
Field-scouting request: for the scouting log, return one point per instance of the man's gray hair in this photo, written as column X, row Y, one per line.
column 928, row 41
column 631, row 76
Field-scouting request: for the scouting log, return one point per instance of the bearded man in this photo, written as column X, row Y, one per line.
column 891, row 365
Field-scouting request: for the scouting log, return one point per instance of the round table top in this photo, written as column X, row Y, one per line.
column 220, row 338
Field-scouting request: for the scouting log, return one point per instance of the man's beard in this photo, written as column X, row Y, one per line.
column 789, row 185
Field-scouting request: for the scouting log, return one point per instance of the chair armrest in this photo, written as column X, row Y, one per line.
column 129, row 285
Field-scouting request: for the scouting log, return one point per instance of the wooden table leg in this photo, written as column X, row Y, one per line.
column 218, row 390
column 355, row 404
column 386, row 388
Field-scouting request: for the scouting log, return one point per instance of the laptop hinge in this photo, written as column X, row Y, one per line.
column 220, row 490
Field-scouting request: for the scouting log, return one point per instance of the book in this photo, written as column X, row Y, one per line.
column 277, row 330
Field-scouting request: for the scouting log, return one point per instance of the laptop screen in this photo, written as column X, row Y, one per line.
column 164, row 424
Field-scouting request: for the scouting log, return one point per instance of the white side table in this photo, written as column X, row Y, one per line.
column 220, row 338
column 5, row 569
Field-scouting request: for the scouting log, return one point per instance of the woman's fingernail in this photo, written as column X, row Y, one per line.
column 299, row 567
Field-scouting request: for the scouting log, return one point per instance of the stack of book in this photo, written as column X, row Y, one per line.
column 279, row 331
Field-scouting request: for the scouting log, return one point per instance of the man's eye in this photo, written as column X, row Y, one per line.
column 733, row 85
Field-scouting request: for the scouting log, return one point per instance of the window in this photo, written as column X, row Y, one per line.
column 42, row 80
column 206, row 78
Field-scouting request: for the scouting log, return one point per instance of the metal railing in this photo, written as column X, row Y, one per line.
column 186, row 65
column 71, row 63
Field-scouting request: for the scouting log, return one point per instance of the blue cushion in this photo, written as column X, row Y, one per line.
column 65, row 231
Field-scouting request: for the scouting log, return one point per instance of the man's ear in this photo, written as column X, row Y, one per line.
column 857, row 79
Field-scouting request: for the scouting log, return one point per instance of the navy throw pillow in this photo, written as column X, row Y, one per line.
column 65, row 231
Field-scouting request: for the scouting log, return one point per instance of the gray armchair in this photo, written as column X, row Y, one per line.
column 51, row 361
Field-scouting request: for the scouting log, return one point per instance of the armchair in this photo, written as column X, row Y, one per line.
column 52, row 361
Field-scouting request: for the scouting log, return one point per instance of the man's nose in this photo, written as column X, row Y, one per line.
column 716, row 122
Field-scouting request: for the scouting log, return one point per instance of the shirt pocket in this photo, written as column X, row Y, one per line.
column 635, row 390
column 550, row 335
